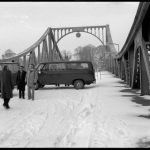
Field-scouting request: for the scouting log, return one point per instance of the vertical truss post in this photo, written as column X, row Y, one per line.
column 145, row 69
column 24, row 61
column 44, row 51
column 39, row 54
column 50, row 45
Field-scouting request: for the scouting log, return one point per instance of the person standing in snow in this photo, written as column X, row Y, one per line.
column 31, row 81
column 6, row 86
column 21, row 81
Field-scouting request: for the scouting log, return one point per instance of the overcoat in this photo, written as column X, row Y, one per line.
column 31, row 78
column 21, row 80
column 6, row 84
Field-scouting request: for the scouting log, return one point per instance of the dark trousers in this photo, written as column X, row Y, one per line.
column 6, row 101
column 21, row 93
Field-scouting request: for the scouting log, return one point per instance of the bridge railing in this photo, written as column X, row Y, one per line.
column 132, row 63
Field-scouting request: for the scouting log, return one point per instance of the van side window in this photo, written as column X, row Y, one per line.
column 71, row 66
column 84, row 65
column 58, row 66
column 77, row 66
column 52, row 67
column 61, row 66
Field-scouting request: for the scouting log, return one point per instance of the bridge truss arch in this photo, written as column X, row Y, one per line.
column 97, row 31
column 46, row 48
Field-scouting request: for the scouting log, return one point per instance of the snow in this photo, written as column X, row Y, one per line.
column 105, row 114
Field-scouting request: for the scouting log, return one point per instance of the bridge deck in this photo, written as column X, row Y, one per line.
column 108, row 114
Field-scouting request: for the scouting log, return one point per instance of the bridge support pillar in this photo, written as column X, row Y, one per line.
column 24, row 61
column 124, row 63
column 131, row 56
column 50, row 46
column 122, row 70
column 39, row 55
column 145, row 80
column 116, row 67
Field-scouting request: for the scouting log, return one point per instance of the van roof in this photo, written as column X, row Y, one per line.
column 9, row 63
column 66, row 62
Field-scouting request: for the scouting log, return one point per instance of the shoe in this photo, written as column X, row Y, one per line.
column 4, row 105
column 7, row 106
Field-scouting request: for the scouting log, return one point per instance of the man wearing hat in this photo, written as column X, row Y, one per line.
column 21, row 81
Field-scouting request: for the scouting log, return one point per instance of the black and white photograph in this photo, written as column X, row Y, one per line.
column 74, row 74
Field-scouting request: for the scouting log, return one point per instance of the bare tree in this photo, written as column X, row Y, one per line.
column 66, row 55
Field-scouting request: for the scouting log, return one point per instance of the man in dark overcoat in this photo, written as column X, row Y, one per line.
column 6, row 86
column 21, row 81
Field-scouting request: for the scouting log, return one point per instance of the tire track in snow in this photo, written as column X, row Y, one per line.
column 21, row 132
column 108, row 131
column 80, row 115
column 107, row 135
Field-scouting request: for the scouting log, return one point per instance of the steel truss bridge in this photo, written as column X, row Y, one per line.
column 46, row 48
column 131, row 64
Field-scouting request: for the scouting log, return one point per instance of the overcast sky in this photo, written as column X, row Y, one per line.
column 23, row 23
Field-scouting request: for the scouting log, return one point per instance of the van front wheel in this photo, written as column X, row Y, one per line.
column 78, row 84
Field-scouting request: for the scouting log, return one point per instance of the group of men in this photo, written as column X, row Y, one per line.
column 23, row 78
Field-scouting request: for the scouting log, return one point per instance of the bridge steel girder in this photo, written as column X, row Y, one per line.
column 102, row 33
column 145, row 82
column 32, row 58
column 119, row 67
column 113, row 66
column 46, row 48
column 128, row 69
column 97, row 31
column 116, row 68
column 134, row 83
column 50, row 53
column 137, row 62
column 131, row 56
column 56, row 52
column 45, row 55
column 144, row 63
column 122, row 69
column 49, row 46
column 125, row 69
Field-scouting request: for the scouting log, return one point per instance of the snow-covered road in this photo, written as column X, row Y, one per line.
column 101, row 115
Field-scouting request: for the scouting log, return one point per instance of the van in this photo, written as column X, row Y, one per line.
column 76, row 73
column 13, row 67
